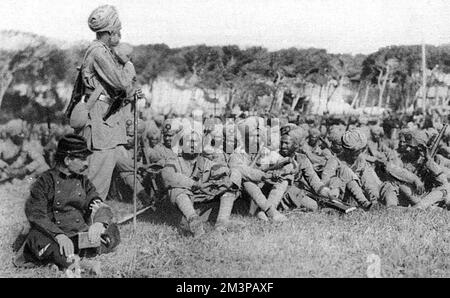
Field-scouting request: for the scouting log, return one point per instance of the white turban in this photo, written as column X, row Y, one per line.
column 104, row 18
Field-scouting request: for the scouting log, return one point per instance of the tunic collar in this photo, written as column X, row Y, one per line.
column 68, row 176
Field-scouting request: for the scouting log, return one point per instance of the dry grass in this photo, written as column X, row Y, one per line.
column 410, row 243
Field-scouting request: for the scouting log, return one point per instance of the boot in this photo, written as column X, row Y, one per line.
column 275, row 215
column 262, row 215
column 195, row 225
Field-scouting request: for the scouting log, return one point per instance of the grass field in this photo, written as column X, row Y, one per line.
column 410, row 243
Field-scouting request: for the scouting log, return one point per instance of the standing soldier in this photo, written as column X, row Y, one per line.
column 106, row 84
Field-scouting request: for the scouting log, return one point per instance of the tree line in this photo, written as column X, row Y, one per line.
column 387, row 77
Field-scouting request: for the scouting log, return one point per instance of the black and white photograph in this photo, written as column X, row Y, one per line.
column 211, row 140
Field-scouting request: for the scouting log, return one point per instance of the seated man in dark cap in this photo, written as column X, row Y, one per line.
column 63, row 204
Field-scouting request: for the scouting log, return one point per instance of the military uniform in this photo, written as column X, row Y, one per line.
column 407, row 176
column 59, row 203
column 198, row 180
column 25, row 158
column 354, row 175
column 102, row 71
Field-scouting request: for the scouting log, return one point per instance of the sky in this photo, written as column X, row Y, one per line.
column 339, row 26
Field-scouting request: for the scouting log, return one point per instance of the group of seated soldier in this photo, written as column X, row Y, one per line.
column 268, row 167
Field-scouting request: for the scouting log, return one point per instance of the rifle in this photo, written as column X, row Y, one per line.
column 115, row 105
column 332, row 203
column 279, row 165
column 434, row 146
column 348, row 123
column 325, row 142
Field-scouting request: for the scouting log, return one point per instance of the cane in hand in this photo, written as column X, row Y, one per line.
column 136, row 97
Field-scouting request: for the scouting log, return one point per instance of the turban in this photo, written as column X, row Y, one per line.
column 336, row 133
column 314, row 132
column 104, row 18
column 153, row 131
column 415, row 138
column 159, row 119
column 15, row 127
column 377, row 130
column 354, row 140
column 296, row 133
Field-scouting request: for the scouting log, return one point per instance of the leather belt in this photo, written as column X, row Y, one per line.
column 105, row 98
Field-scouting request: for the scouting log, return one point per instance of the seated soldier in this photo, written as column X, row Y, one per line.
column 298, row 178
column 18, row 157
column 63, row 203
column 165, row 150
column 416, row 177
column 244, row 160
column 193, row 180
column 362, row 185
column 312, row 149
column 376, row 145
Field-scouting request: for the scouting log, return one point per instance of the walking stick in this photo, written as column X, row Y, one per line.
column 135, row 162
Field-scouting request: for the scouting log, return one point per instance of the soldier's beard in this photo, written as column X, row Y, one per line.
column 286, row 152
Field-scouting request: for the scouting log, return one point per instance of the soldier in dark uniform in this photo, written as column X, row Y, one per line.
column 63, row 203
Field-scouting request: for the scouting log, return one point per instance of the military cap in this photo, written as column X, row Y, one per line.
column 130, row 127
column 171, row 127
column 73, row 145
column 415, row 138
column 296, row 133
column 354, row 140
